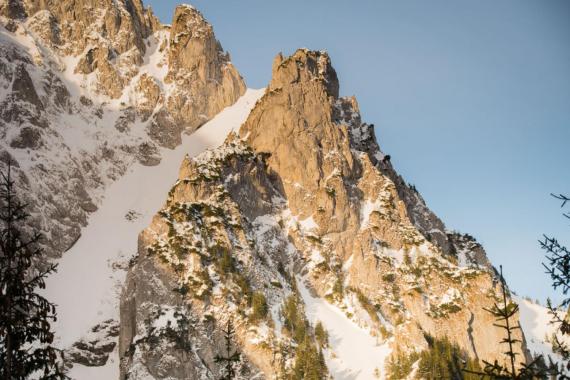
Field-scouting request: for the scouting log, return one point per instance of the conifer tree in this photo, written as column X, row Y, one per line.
column 309, row 359
column 504, row 314
column 558, row 267
column 309, row 362
column 229, row 360
column 321, row 335
column 259, row 305
column 25, row 315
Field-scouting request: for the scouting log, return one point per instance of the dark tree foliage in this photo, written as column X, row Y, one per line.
column 558, row 267
column 309, row 360
column 259, row 305
column 321, row 335
column 442, row 359
column 445, row 360
column 230, row 359
column 294, row 319
column 25, row 332
column 504, row 314
column 558, row 260
column 401, row 364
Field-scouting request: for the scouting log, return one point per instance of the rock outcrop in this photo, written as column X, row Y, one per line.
column 89, row 88
column 302, row 198
column 93, row 349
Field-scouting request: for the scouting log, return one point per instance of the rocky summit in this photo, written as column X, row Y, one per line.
column 89, row 88
column 300, row 204
column 178, row 203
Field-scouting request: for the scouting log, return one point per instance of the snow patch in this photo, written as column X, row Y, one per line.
column 87, row 286
column 365, row 210
column 535, row 322
column 357, row 354
column 167, row 318
column 308, row 224
column 109, row 371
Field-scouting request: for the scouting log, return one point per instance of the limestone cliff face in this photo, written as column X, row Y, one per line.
column 107, row 36
column 376, row 231
column 204, row 80
column 89, row 88
column 200, row 257
column 303, row 197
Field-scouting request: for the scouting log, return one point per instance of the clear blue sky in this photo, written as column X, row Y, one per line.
column 470, row 98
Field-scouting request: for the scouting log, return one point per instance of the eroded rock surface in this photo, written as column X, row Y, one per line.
column 302, row 196
column 93, row 349
column 89, row 88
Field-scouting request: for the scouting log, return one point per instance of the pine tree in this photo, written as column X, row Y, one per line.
column 25, row 332
column 259, row 305
column 503, row 315
column 309, row 362
column 558, row 267
column 442, row 359
column 321, row 335
column 229, row 360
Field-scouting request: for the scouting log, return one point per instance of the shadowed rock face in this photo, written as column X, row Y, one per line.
column 23, row 88
column 303, row 192
column 88, row 87
column 93, row 350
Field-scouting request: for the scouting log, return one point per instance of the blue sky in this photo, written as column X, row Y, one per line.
column 470, row 98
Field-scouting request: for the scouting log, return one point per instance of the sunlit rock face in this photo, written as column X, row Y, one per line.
column 300, row 203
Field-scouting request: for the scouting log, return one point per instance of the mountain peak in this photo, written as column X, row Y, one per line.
column 303, row 203
column 101, row 68
column 185, row 16
column 122, row 24
column 296, row 224
column 192, row 40
column 304, row 66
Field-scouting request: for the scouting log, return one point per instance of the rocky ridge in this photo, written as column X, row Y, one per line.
column 301, row 201
column 89, row 88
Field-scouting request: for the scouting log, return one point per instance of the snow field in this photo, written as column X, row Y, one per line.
column 355, row 354
column 90, row 275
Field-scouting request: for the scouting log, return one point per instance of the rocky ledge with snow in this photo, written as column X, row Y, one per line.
column 302, row 213
column 89, row 87
column 293, row 224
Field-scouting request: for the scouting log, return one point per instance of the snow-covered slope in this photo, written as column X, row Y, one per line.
column 536, row 323
column 353, row 354
column 89, row 87
column 90, row 100
column 90, row 275
column 301, row 192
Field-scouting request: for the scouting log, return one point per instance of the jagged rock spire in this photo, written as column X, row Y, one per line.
column 126, row 83
column 303, row 66
column 306, row 194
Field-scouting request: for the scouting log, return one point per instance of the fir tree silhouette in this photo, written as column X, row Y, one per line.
column 558, row 267
column 25, row 315
column 229, row 359
column 504, row 314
